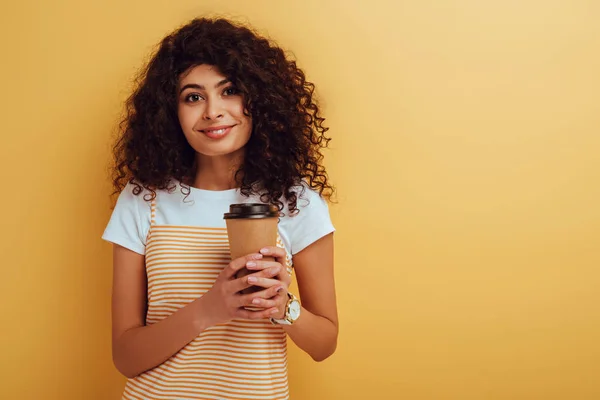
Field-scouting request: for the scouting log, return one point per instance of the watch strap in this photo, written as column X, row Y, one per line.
column 286, row 320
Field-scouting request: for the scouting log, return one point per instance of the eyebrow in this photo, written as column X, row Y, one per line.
column 201, row 87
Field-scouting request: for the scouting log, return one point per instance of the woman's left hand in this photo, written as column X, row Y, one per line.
column 264, row 298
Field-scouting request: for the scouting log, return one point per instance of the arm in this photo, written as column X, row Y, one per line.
column 136, row 347
column 316, row 331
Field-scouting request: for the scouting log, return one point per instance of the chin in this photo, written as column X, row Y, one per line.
column 214, row 151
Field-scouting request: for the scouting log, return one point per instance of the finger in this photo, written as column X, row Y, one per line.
column 239, row 263
column 263, row 282
column 272, row 272
column 256, row 265
column 282, row 273
column 262, row 314
column 265, row 303
column 277, row 301
column 267, row 294
column 274, row 251
column 285, row 275
column 244, row 282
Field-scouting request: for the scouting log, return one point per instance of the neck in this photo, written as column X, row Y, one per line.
column 217, row 173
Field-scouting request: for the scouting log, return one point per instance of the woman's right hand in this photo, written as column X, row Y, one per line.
column 224, row 302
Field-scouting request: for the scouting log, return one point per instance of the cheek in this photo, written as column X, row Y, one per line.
column 237, row 110
column 246, row 119
column 247, row 128
column 238, row 113
column 187, row 118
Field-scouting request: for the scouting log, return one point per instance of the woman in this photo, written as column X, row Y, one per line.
column 219, row 117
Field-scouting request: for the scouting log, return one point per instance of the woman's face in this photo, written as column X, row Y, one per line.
column 211, row 112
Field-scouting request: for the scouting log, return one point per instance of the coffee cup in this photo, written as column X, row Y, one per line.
column 250, row 227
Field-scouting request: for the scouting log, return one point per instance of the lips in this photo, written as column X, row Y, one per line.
column 217, row 132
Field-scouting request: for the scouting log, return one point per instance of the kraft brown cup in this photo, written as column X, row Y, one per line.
column 250, row 227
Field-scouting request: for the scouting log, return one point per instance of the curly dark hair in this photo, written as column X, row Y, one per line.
column 287, row 135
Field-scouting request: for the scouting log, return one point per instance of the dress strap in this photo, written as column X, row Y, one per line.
column 153, row 212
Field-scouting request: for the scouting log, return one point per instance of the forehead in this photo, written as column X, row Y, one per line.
column 203, row 74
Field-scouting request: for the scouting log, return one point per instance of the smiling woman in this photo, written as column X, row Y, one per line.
column 220, row 117
column 211, row 113
column 287, row 132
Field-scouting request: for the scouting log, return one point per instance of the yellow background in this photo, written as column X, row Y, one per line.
column 467, row 159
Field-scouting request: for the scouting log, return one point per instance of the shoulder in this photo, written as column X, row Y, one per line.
column 308, row 201
column 134, row 196
column 130, row 220
column 139, row 202
column 135, row 192
column 309, row 223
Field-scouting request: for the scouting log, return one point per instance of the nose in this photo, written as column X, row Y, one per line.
column 213, row 110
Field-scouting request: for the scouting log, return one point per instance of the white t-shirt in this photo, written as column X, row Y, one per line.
column 130, row 221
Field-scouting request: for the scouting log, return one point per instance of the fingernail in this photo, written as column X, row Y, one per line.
column 257, row 256
column 256, row 301
column 274, row 271
column 264, row 251
column 252, row 279
column 274, row 311
column 251, row 264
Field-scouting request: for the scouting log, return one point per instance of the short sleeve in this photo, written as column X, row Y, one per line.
column 309, row 224
column 130, row 221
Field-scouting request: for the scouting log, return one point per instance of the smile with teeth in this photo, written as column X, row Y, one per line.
column 217, row 133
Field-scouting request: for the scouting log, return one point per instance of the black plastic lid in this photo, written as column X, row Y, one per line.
column 252, row 210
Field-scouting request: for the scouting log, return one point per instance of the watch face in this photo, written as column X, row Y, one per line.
column 294, row 310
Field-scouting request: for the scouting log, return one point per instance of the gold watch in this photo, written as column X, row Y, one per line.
column 292, row 311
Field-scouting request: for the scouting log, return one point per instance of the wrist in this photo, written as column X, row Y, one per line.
column 201, row 316
column 291, row 312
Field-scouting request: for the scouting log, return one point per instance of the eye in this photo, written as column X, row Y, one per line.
column 193, row 98
column 230, row 91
